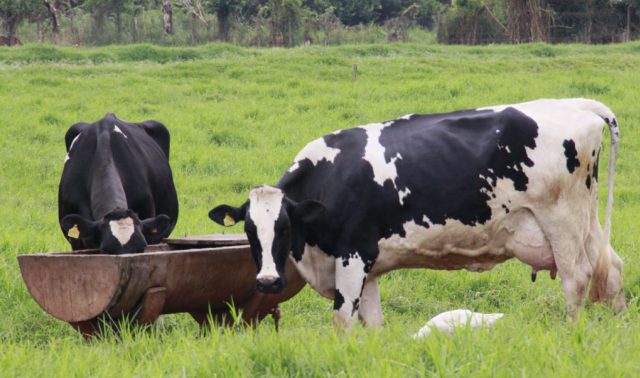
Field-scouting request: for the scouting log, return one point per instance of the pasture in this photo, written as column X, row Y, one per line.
column 238, row 117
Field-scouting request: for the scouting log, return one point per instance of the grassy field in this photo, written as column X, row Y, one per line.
column 238, row 117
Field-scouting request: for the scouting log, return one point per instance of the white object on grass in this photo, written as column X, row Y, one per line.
column 448, row 321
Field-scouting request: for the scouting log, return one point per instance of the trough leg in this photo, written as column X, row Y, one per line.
column 275, row 314
column 254, row 310
column 152, row 304
column 87, row 328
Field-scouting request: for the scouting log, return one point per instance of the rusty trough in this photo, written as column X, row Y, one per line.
column 196, row 275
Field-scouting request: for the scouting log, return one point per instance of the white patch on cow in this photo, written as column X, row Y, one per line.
column 350, row 282
column 315, row 152
column 116, row 129
column 406, row 117
column 318, row 270
column 403, row 194
column 122, row 229
column 266, row 202
column 374, row 155
column 432, row 246
column 448, row 321
column 71, row 146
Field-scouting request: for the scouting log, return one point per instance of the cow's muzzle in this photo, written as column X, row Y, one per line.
column 269, row 285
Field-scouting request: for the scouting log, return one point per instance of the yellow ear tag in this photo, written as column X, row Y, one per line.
column 228, row 220
column 74, row 232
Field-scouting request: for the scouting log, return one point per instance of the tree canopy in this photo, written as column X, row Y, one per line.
column 293, row 22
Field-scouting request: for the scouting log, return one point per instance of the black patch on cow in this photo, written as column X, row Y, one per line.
column 338, row 300
column 588, row 182
column 450, row 163
column 593, row 153
column 345, row 261
column 572, row 155
column 506, row 209
column 356, row 305
column 595, row 167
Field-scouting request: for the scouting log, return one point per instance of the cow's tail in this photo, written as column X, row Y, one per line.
column 601, row 272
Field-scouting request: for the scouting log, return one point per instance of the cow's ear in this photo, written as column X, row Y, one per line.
column 308, row 210
column 76, row 227
column 155, row 228
column 226, row 215
column 73, row 132
column 159, row 133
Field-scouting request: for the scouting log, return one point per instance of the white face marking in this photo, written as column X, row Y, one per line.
column 122, row 229
column 71, row 146
column 266, row 202
column 116, row 129
column 315, row 152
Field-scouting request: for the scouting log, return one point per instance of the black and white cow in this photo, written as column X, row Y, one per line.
column 461, row 190
column 116, row 191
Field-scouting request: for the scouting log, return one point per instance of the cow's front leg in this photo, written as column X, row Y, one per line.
column 351, row 274
column 370, row 311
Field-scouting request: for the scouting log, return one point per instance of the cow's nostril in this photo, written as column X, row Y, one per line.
column 269, row 284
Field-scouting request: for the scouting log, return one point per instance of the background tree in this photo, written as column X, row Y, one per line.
column 284, row 16
column 353, row 12
column 13, row 12
column 167, row 16
column 225, row 10
column 528, row 20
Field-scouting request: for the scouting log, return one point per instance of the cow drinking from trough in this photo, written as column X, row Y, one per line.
column 117, row 192
column 461, row 190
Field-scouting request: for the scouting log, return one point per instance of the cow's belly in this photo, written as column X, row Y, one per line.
column 475, row 248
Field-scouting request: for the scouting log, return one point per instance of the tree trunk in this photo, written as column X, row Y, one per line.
column 98, row 18
column 194, row 32
column 223, row 26
column 526, row 20
column 167, row 16
column 588, row 26
column 134, row 29
column 55, row 16
column 118, row 22
column 627, row 32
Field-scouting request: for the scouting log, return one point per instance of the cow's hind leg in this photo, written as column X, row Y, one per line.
column 370, row 311
column 351, row 275
column 574, row 268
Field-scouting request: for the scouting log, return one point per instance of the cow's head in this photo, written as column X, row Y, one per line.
column 270, row 221
column 120, row 231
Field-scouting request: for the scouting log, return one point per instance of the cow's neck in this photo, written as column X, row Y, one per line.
column 107, row 192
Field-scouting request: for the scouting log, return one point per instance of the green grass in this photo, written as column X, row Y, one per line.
column 238, row 117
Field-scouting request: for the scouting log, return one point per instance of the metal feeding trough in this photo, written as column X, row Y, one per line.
column 200, row 275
